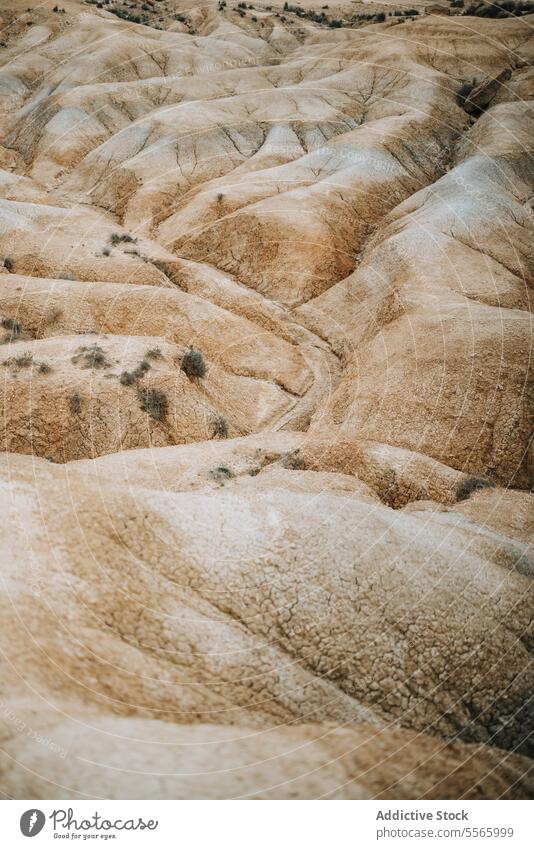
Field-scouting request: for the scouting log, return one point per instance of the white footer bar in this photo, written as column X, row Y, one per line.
column 268, row 825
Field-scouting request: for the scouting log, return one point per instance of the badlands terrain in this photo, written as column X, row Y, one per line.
column 266, row 344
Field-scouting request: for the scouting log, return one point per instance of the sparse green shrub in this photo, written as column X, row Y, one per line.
column 221, row 473
column 524, row 565
column 292, row 460
column 75, row 403
column 380, row 17
column 470, row 484
column 8, row 263
column 503, row 9
column 21, row 361
column 44, row 368
column 154, row 354
column 127, row 16
column 154, row 403
column 128, row 378
column 13, row 326
column 193, row 364
column 117, row 238
column 220, row 428
column 91, row 356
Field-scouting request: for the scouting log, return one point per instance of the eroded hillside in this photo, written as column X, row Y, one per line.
column 267, row 400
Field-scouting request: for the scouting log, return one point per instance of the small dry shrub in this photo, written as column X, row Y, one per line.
column 193, row 363
column 471, row 484
column 91, row 356
column 154, row 403
column 75, row 404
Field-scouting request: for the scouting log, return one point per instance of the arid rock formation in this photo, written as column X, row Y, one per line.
column 266, row 369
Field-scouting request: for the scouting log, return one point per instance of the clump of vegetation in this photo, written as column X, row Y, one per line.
column 126, row 16
column 293, row 460
column 21, row 361
column 471, row 484
column 310, row 14
column 44, row 368
column 193, row 364
column 504, row 9
column 117, row 238
column 14, row 328
column 221, row 473
column 75, row 404
column 220, row 428
column 91, row 356
column 154, row 354
column 128, row 378
column 154, row 403
column 8, row 263
column 524, row 565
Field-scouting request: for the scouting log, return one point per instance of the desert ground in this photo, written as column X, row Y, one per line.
column 266, row 349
